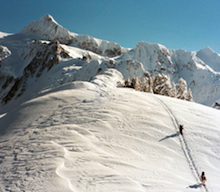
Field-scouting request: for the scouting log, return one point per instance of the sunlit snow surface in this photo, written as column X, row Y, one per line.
column 85, row 138
column 65, row 135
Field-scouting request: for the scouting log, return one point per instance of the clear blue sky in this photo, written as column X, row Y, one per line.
column 178, row 24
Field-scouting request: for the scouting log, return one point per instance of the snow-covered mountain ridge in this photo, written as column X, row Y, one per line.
column 81, row 57
column 67, row 124
column 48, row 28
column 84, row 137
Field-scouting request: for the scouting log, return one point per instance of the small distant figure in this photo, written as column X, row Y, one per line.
column 203, row 178
column 181, row 129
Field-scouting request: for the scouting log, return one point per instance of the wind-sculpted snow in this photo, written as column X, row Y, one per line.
column 90, row 138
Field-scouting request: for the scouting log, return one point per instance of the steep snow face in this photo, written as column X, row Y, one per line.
column 42, row 55
column 49, row 29
column 208, row 56
column 39, row 57
column 154, row 57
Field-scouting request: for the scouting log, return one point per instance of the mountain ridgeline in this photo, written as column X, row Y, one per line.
column 44, row 55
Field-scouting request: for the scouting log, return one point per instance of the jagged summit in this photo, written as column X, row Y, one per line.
column 48, row 18
column 48, row 28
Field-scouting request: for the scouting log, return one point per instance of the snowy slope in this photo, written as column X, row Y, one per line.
column 86, row 137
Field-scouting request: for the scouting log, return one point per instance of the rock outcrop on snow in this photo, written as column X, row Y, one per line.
column 41, row 56
column 97, row 46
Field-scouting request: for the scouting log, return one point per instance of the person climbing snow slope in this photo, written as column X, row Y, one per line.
column 181, row 129
column 203, row 178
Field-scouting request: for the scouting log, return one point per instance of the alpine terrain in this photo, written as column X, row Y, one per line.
column 83, row 114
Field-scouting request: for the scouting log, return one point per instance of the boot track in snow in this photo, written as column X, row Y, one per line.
column 184, row 146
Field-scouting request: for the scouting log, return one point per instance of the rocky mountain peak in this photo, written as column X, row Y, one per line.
column 48, row 18
column 49, row 29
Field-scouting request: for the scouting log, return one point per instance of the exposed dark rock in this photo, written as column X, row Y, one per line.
column 44, row 57
column 216, row 105
column 113, row 52
column 8, row 81
column 13, row 91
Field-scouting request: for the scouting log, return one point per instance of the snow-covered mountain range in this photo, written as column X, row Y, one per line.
column 66, row 123
column 41, row 45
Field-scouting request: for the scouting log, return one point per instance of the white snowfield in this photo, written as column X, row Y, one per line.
column 84, row 138
column 65, row 126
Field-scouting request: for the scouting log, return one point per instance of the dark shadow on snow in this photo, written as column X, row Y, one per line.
column 195, row 186
column 169, row 136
